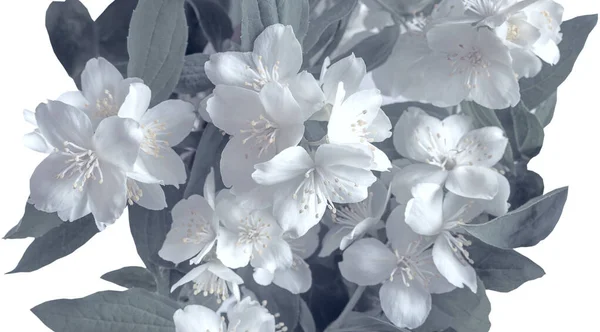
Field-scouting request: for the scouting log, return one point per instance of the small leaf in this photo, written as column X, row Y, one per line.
column 156, row 44
column 213, row 20
column 360, row 321
column 330, row 16
column 528, row 132
column 57, row 243
column 575, row 32
column 525, row 226
column 525, row 186
column 375, row 50
column 545, row 111
column 129, row 311
column 34, row 223
column 460, row 310
column 193, row 78
column 132, row 277
column 207, row 155
column 502, row 270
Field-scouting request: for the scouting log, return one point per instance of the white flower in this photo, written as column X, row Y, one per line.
column 261, row 125
column 546, row 16
column 104, row 91
column 87, row 170
column 449, row 153
column 359, row 119
column 276, row 57
column 494, row 13
column 303, row 185
column 405, row 269
column 450, row 63
column 35, row 140
column 213, row 278
column 429, row 213
column 246, row 316
column 296, row 278
column 352, row 221
column 249, row 236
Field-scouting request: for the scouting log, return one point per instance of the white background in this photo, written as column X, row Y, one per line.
column 564, row 300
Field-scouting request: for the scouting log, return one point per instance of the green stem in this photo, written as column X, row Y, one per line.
column 348, row 308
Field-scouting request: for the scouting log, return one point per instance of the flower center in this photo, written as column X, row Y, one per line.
column 352, row 214
column 255, row 232
column 134, row 193
column 106, row 106
column 83, row 163
column 262, row 74
column 512, row 33
column 150, row 144
column 263, row 132
column 409, row 266
column 484, row 8
column 360, row 128
column 209, row 283
column 198, row 229
column 458, row 244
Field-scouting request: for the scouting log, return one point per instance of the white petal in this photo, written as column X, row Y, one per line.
column 108, row 199
column 416, row 135
column 548, row 51
column 276, row 255
column 233, row 254
column 367, row 262
column 498, row 206
column 350, row 120
column 456, row 126
column 380, row 128
column 406, row 178
column 117, row 141
column 288, row 164
column 293, row 214
column 237, row 164
column 263, row 277
column 280, row 105
column 277, row 47
column 98, row 76
column 136, row 103
column 175, row 117
column 48, row 192
column 76, row 99
column 482, row 147
column 358, row 231
column 473, row 182
column 424, row 212
column 209, row 189
column 308, row 94
column 307, row 244
column 349, row 70
column 230, row 210
column 153, row 196
column 60, row 123
column 36, row 142
column 333, row 239
column 399, row 233
column 498, row 88
column 406, row 307
column 225, row 112
column 455, row 271
column 167, row 167
column 525, row 62
column 225, row 273
column 194, row 318
column 193, row 274
column 355, row 156
column 437, row 283
column 296, row 279
column 230, row 68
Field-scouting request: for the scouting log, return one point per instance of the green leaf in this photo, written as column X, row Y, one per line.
column 193, row 78
column 113, row 27
column 306, row 320
column 213, row 20
column 132, row 277
column 208, row 154
column 317, row 27
column 528, row 132
column 545, row 111
column 461, row 310
column 34, row 223
column 259, row 14
column 129, row 311
column 525, row 226
column 376, row 49
column 149, row 230
column 502, row 270
column 156, row 44
column 575, row 32
column 57, row 243
column 360, row 321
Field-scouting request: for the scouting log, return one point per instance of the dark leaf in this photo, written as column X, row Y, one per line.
column 360, row 321
column 130, row 311
column 330, row 16
column 306, row 321
column 156, row 44
column 34, row 223
column 132, row 277
column 57, row 243
column 213, row 20
column 525, row 226
column 502, row 270
column 113, row 27
column 328, row 295
column 545, row 111
column 375, row 50
column 526, row 185
column 528, row 132
column 207, row 155
column 193, row 78
column 575, row 32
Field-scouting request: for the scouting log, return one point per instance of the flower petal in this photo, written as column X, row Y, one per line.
column 190, row 276
column 418, row 136
column 525, row 62
column 482, row 147
column 117, row 141
column 230, row 68
column 276, row 255
column 280, row 105
column 36, row 142
column 296, row 279
column 456, row 272
column 237, row 164
column 473, row 182
column 294, row 215
column 233, row 254
column 406, row 307
column 153, row 196
column 288, row 164
column 400, row 235
column 223, row 272
column 136, row 103
column 367, row 262
column 167, row 167
column 60, row 123
column 263, row 277
column 424, row 212
column 76, row 99
column 349, row 70
column 333, row 239
column 277, row 49
column 194, row 318
column 175, row 117
column 358, row 231
column 108, row 199
column 411, row 175
column 308, row 94
column 98, row 76
column 225, row 112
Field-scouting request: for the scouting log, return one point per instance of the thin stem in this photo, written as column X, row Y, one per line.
column 348, row 308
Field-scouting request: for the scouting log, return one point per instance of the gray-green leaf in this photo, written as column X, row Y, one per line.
column 34, row 223
column 156, row 44
column 57, row 243
column 332, row 15
column 193, row 78
column 539, row 88
column 214, row 21
column 525, row 226
column 132, row 277
column 306, row 320
column 208, row 154
column 545, row 111
column 502, row 270
column 528, row 132
column 130, row 311
column 376, row 49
